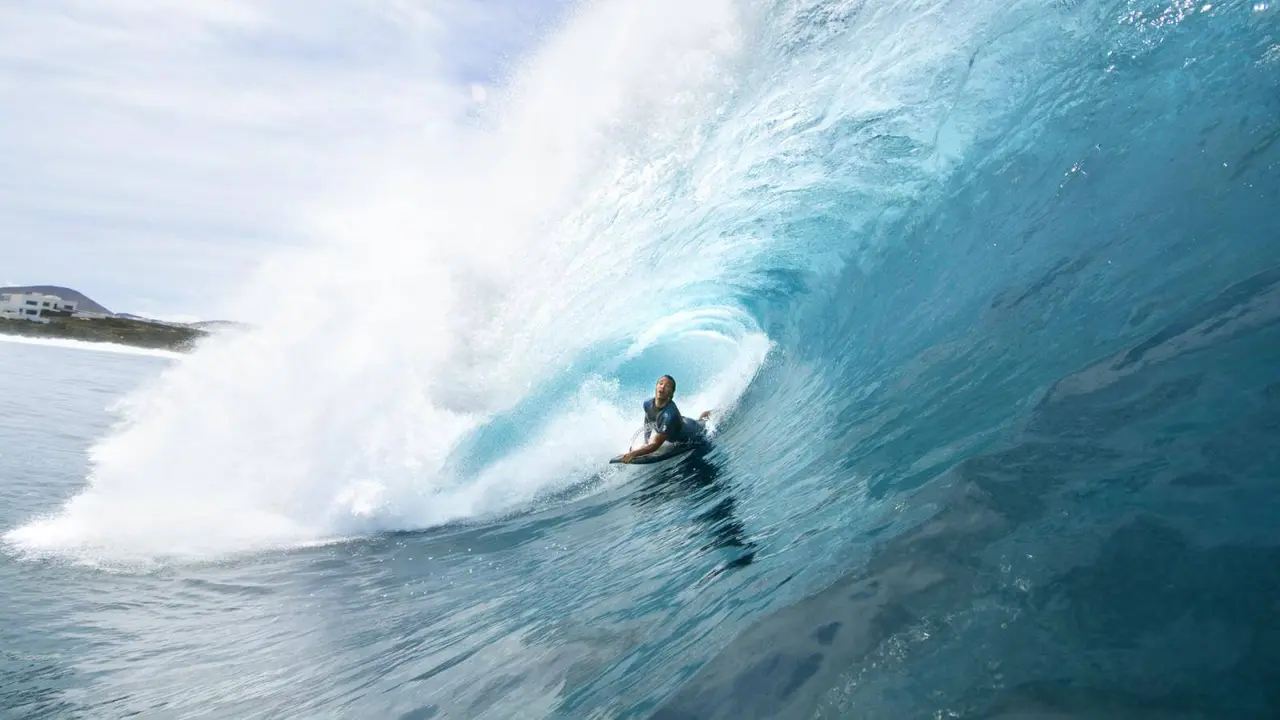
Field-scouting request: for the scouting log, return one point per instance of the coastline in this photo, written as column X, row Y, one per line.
column 90, row 346
column 117, row 331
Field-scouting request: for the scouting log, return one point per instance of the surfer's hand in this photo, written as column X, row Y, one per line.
column 627, row 458
column 706, row 414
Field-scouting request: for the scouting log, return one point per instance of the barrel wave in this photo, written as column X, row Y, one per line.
column 985, row 298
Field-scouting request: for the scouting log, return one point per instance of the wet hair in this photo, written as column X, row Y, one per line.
column 673, row 382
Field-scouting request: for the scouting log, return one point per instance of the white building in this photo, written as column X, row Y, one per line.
column 33, row 306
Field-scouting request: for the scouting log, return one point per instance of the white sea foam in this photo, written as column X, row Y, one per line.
column 94, row 346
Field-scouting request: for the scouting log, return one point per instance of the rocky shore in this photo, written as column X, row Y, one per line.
column 124, row 331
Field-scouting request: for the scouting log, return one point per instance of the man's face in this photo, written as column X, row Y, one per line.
column 663, row 391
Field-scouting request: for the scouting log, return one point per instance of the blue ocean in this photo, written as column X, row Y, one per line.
column 984, row 298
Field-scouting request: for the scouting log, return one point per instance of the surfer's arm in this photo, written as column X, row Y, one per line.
column 654, row 444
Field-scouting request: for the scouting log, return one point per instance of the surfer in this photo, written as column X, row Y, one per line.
column 664, row 423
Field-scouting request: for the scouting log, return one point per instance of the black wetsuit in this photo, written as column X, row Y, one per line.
column 668, row 421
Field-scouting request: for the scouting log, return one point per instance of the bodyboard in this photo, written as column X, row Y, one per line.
column 666, row 452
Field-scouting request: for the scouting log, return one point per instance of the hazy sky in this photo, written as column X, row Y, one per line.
column 153, row 150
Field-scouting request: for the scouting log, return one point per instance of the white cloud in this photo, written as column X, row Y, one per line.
column 157, row 148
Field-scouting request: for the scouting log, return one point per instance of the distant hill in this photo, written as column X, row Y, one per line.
column 82, row 301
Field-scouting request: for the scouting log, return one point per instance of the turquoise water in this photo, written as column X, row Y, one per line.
column 986, row 298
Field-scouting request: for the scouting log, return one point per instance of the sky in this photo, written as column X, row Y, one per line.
column 155, row 151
